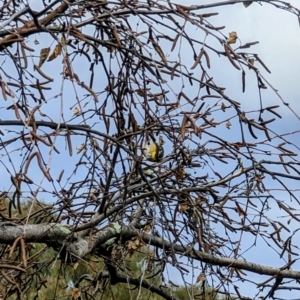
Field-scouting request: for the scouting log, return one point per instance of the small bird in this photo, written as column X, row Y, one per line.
column 155, row 151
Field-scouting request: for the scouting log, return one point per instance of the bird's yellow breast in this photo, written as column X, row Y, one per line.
column 152, row 152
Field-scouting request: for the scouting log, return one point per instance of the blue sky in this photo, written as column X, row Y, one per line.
column 278, row 34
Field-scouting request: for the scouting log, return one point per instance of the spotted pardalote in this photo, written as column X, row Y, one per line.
column 155, row 151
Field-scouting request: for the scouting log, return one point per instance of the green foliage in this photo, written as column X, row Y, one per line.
column 59, row 279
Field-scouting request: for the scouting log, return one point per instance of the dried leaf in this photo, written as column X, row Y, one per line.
column 175, row 41
column 173, row 71
column 76, row 294
column 257, row 178
column 223, row 107
column 133, row 122
column 134, row 244
column 67, row 72
column 251, row 131
column 160, row 53
column 200, row 277
column 228, row 52
column 180, row 174
column 80, row 148
column 60, row 176
column 141, row 92
column 43, row 56
column 55, row 52
column 116, row 36
column 63, row 41
column 228, row 125
column 111, row 48
column 96, row 144
column 207, row 59
column 94, row 193
column 232, row 37
column 240, row 211
column 3, row 90
column 42, row 73
column 198, row 59
column 76, row 111
column 251, row 61
column 183, row 126
column 183, row 207
column 147, row 228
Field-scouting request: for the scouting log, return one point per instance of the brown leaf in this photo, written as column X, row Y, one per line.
column 67, row 72
column 183, row 126
column 207, row 59
column 232, row 37
column 141, row 92
column 180, row 173
column 55, row 52
column 111, row 48
column 240, row 211
column 76, row 294
column 223, row 107
column 251, row 61
column 228, row 52
column 116, row 36
column 80, row 148
column 95, row 144
column 76, row 111
column 183, row 207
column 63, row 41
column 198, row 59
column 200, row 277
column 160, row 53
column 42, row 73
column 175, row 41
column 94, row 193
column 147, row 228
column 133, row 122
column 43, row 56
column 3, row 90
column 228, row 125
column 134, row 244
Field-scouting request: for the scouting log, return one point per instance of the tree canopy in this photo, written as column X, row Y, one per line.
column 143, row 131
